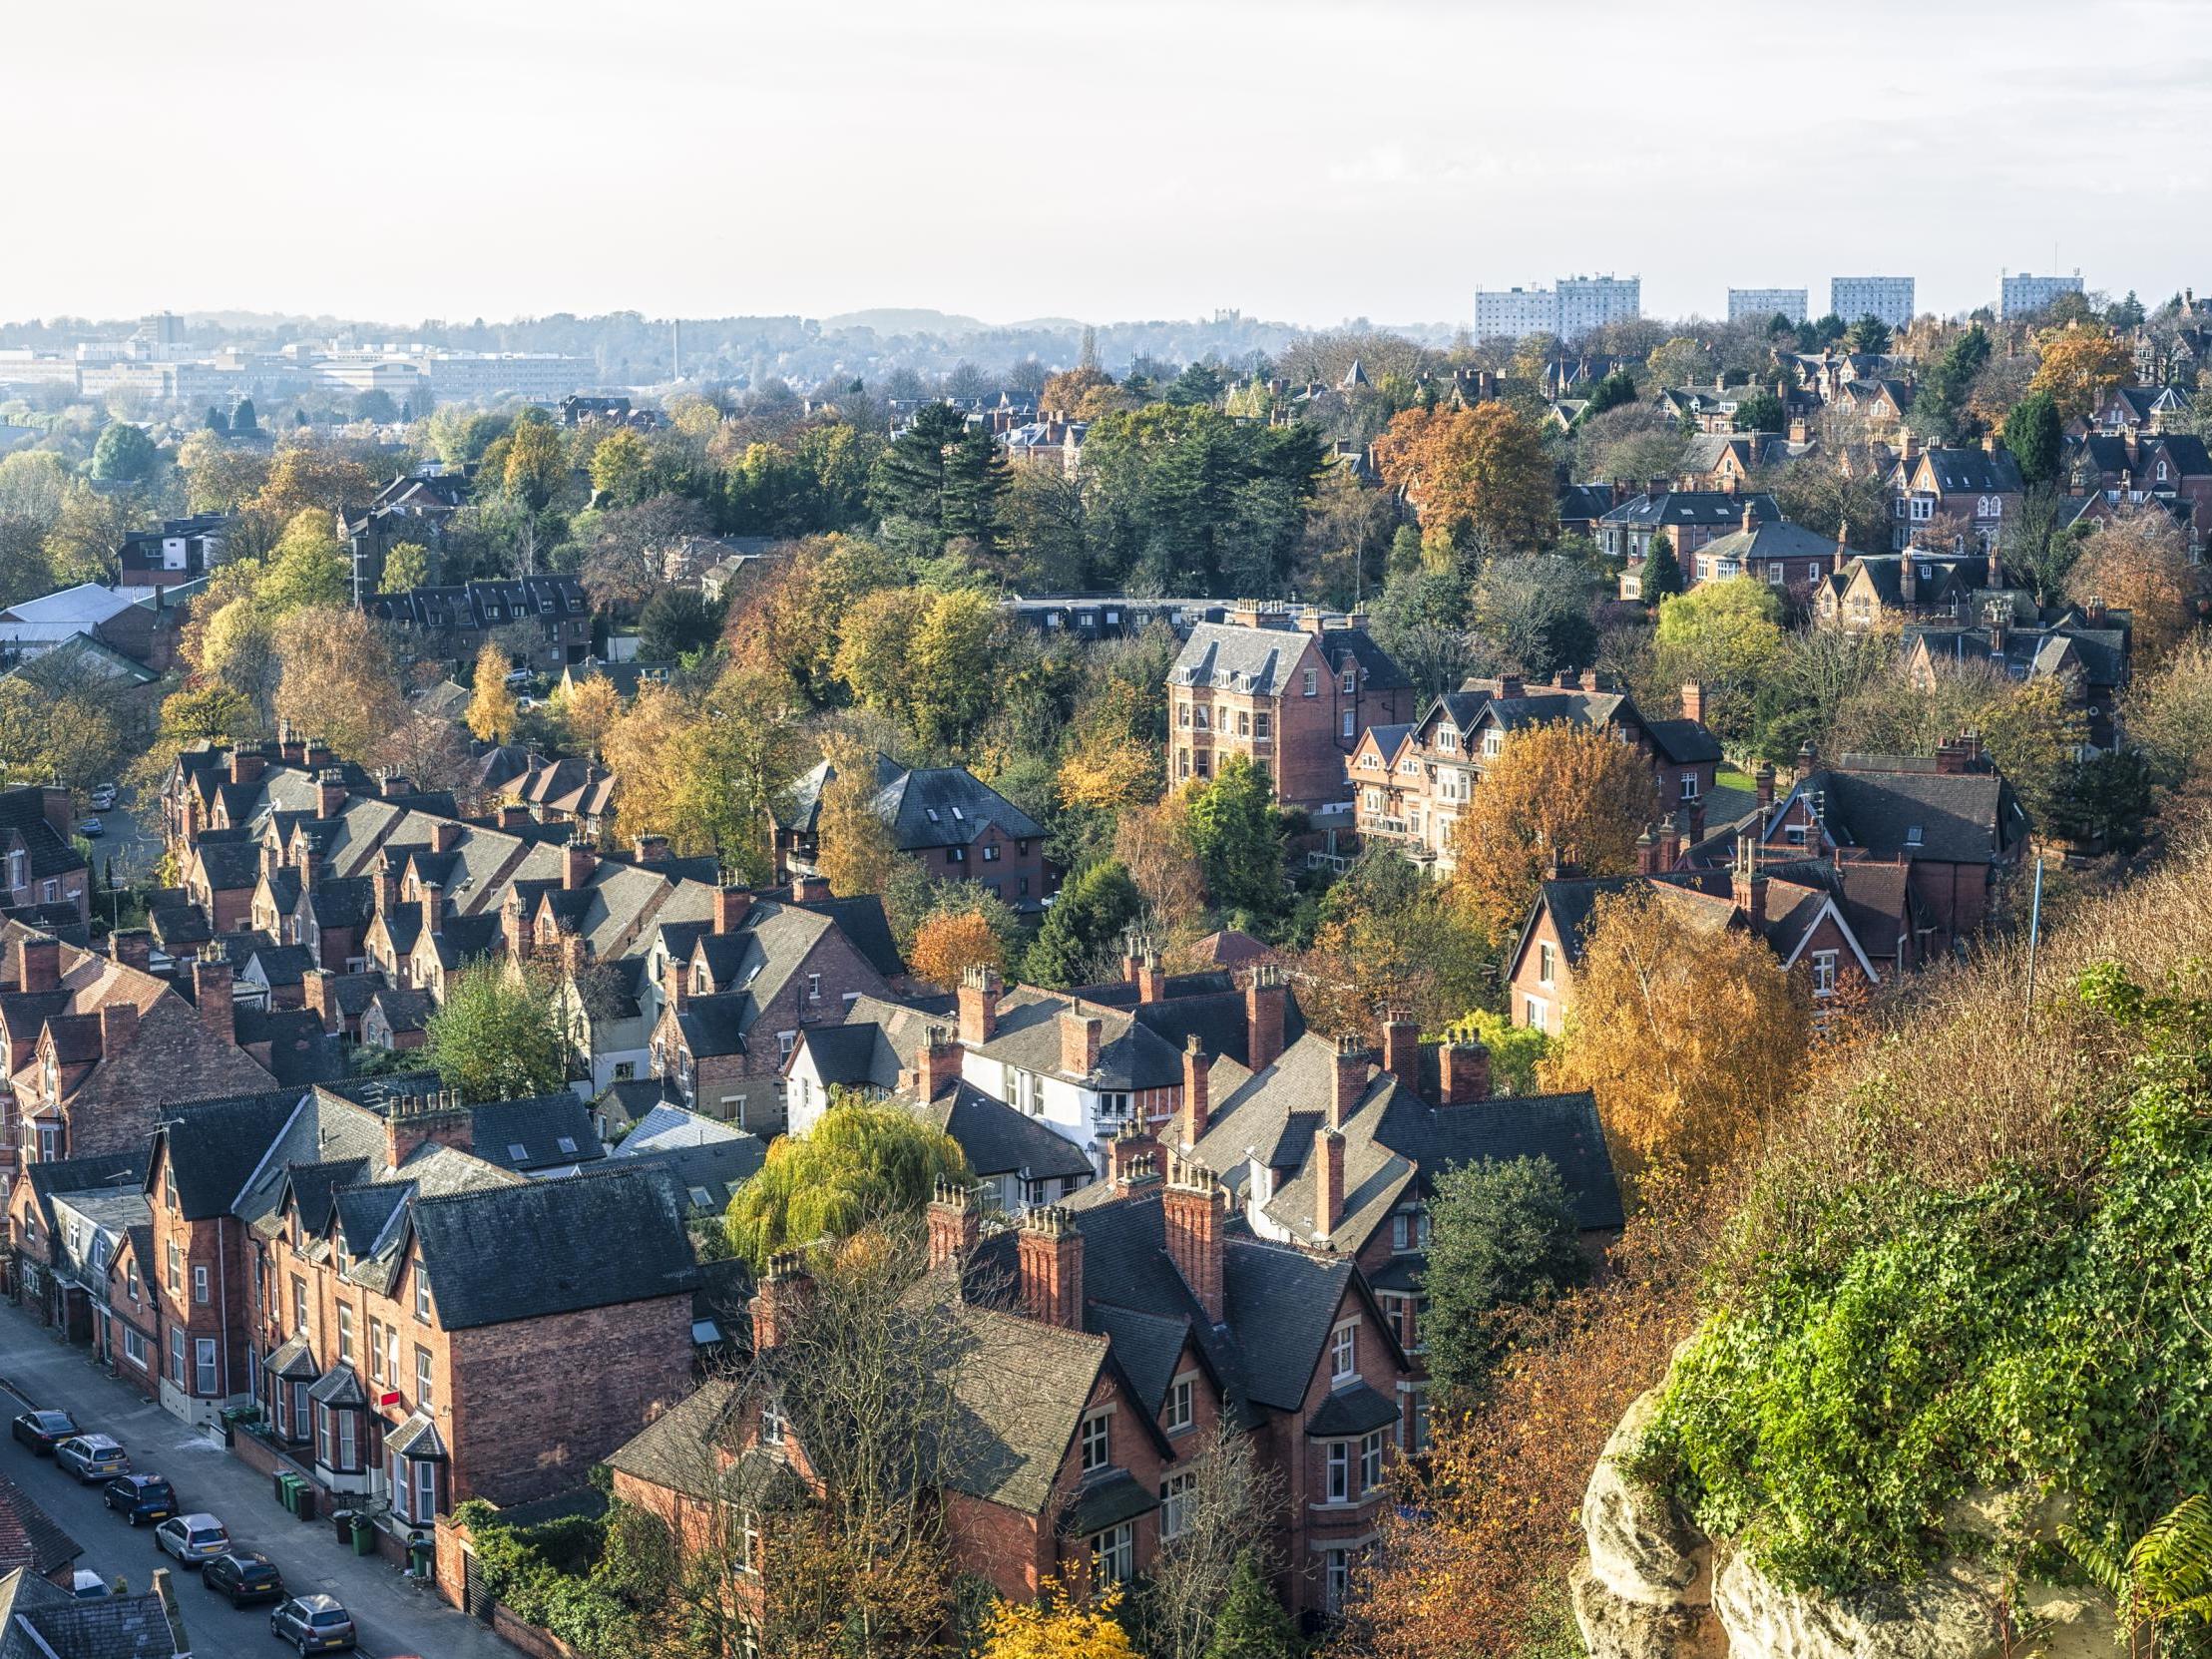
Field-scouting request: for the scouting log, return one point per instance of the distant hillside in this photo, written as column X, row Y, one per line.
column 906, row 319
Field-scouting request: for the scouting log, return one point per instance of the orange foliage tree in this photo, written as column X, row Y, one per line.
column 2079, row 364
column 950, row 943
column 1479, row 472
column 1556, row 791
column 2138, row 561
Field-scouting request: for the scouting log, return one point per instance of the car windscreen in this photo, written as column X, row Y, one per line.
column 157, row 1491
column 210, row 1536
column 329, row 1618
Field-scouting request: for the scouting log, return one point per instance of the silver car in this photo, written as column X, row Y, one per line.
column 314, row 1624
column 92, row 1457
column 193, row 1539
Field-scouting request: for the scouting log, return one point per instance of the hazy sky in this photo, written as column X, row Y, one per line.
column 1099, row 159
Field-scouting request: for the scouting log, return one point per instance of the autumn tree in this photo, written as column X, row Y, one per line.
column 925, row 661
column 704, row 767
column 588, row 708
column 950, row 943
column 1054, row 1627
column 1153, row 844
column 308, row 475
column 1479, row 472
column 622, row 468
column 59, row 724
column 1387, row 938
column 492, row 710
column 1726, row 635
column 1227, row 1510
column 499, row 1033
column 1690, row 1037
column 1557, row 793
column 406, row 567
column 337, row 678
column 854, row 849
column 2138, row 560
column 2079, row 364
column 858, row 1165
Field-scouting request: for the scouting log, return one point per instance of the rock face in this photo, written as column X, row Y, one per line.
column 1648, row 1589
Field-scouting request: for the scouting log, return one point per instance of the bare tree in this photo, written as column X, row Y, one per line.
column 1226, row 1509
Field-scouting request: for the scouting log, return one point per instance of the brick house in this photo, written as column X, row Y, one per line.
column 2134, row 411
column 2171, row 469
column 134, row 1318
column 542, row 620
column 36, row 1245
column 2086, row 647
column 944, row 817
column 1964, row 496
column 1414, row 796
column 1291, row 691
column 1773, row 551
column 39, row 864
column 221, row 872
column 1878, row 590
column 1688, row 517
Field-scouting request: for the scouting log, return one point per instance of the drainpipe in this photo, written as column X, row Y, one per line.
column 223, row 1311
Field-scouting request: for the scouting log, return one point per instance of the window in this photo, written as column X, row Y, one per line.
column 1493, row 743
column 1175, row 1494
column 1689, row 786
column 325, row 1437
column 991, row 852
column 1344, row 1352
column 1339, row 1485
column 1094, row 1441
column 345, row 1335
column 299, row 1303
column 1448, row 739
column 131, row 1281
column 1351, row 723
column 1336, row 1566
column 134, row 1347
column 748, row 1558
column 391, row 1355
column 426, row 1489
column 1535, row 1013
column 1775, row 574
column 1409, row 1230
column 1114, row 1554
column 773, row 1424
column 1547, row 963
column 176, row 1269
column 1313, row 686
column 1795, row 835
column 204, row 1365
column 1200, row 715
column 422, row 1293
column 785, row 1041
column 1913, row 835
column 349, row 1440
column 1824, row 973
column 423, row 1392
column 1260, row 722
column 1351, row 681
column 49, row 891
column 376, row 1350
column 1371, row 1461
column 1181, row 1407
column 1244, row 723
column 1417, row 1421
column 200, row 1285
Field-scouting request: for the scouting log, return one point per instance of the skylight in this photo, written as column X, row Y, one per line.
column 564, row 1142
column 1912, row 836
column 517, row 1151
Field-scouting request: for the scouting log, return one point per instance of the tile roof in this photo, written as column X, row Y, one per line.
column 1000, row 1140
column 542, row 1131
column 29, row 1536
column 39, row 1621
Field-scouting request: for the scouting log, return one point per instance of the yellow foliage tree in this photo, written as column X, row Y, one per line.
column 492, row 711
column 1691, row 1037
column 309, row 475
column 337, row 678
column 855, row 851
column 2139, row 562
column 590, row 708
column 1557, row 793
column 1056, row 1628
column 952, row 942
column 2077, row 365
column 1479, row 472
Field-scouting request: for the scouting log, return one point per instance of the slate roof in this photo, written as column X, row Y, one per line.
column 215, row 1145
column 499, row 1254
column 1000, row 1140
column 29, row 1536
column 2101, row 653
column 1962, row 817
column 1232, row 658
column 1132, row 1055
column 676, row 1450
column 104, row 1171
column 1965, row 470
column 1772, row 540
column 710, row 1172
column 541, row 1133
column 947, row 806
column 666, row 1124
column 1674, row 509
column 40, row 1621
column 300, row 1052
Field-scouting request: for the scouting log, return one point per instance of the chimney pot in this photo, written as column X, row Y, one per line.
column 1328, row 1184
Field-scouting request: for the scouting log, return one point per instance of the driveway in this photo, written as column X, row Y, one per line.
column 396, row 1614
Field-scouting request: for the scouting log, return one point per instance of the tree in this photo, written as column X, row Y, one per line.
column 2102, row 801
column 1691, row 1039
column 1238, row 837
column 2167, row 713
column 1228, row 1508
column 309, row 475
column 1153, row 843
column 406, row 567
column 676, row 622
column 950, row 943
column 499, row 1035
column 1726, row 635
column 338, row 678
column 929, row 665
column 1662, row 572
column 911, row 475
column 2138, row 560
column 2078, row 364
column 622, row 468
column 243, row 418
column 81, row 542
column 123, row 454
column 1681, row 361
column 588, row 709
column 1085, row 926
column 858, row 1165
column 855, row 852
column 1479, row 472
column 1940, row 406
column 1503, row 1235
column 492, row 710
column 1252, row 1623
column 2037, row 544
column 1556, row 793
column 1759, row 411
column 1869, row 334
column 58, row 725
column 530, row 466
column 1534, row 613
column 2035, row 432
column 305, row 567
column 1053, row 1627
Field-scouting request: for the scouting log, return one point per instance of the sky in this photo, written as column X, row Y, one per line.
column 1300, row 161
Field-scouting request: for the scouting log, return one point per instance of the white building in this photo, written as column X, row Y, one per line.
column 1889, row 298
column 1759, row 305
column 1514, row 313
column 1587, row 302
column 2026, row 295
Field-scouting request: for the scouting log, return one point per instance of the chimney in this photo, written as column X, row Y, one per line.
column 1571, row 679
column 1048, row 1267
column 1349, row 1080
column 393, row 785
column 1402, row 1048
column 1510, row 685
column 954, row 1225
column 1693, row 700
column 675, row 982
column 1750, row 517
column 1080, row 1034
column 1749, row 882
column 119, row 1022
column 513, row 815
column 776, row 1300
column 246, row 766
column 1197, row 1106
column 210, row 992
column 1149, row 977
column 514, row 930
column 387, row 885
column 936, row 1063
column 317, row 754
column 1265, row 999
column 290, row 746
column 1462, row 1073
column 132, row 946
column 318, row 993
column 731, row 906
column 650, row 849
column 420, row 1119
column 1194, row 1210
column 1996, row 567
column 810, row 890
column 433, row 908
column 1133, row 1157
column 1764, row 782
column 979, row 1006
column 445, row 835
column 1908, row 576
column 1328, row 1181
column 1669, row 851
column 1808, row 760
column 1910, row 448
column 1648, row 854
column 54, row 806
column 577, row 865
column 329, row 792
column 165, row 1592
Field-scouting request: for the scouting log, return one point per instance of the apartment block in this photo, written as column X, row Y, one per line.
column 1758, row 304
column 1888, row 297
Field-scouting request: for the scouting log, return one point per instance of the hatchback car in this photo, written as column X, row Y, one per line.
column 43, row 1430
column 91, row 828
column 88, row 1587
column 103, row 797
column 192, row 1539
column 312, row 1624
column 243, row 1576
column 140, row 1497
column 92, row 1457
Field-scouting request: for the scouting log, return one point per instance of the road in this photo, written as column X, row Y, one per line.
column 396, row 1615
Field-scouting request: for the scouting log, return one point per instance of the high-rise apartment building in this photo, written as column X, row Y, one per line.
column 1760, row 305
column 1888, row 297
column 1572, row 310
column 2024, row 296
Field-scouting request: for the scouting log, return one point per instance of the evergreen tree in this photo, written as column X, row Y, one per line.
column 909, row 479
column 1662, row 572
column 1238, row 837
column 241, row 416
column 1504, row 1236
column 1089, row 916
column 124, row 453
column 975, row 478
column 1252, row 1625
column 1869, row 334
column 2036, row 435
column 217, row 421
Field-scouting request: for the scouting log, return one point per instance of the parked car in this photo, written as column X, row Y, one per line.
column 141, row 1497
column 43, row 1430
column 243, row 1576
column 520, row 676
column 92, row 1457
column 103, row 797
column 192, row 1539
column 314, row 1624
column 91, row 828
column 88, row 1587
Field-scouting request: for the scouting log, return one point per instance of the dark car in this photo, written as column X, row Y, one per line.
column 43, row 1430
column 312, row 1624
column 141, row 1497
column 243, row 1576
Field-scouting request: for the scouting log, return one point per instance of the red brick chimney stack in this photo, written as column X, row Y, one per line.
column 1195, row 1212
column 1265, row 999
column 979, row 1004
column 445, row 835
column 954, row 1224
column 329, row 792
column 1763, row 781
column 1328, row 1181
column 38, row 962
column 210, row 993
column 433, row 908
column 1402, row 1048
column 118, row 1023
column 1749, row 885
column 1080, row 1036
column 415, row 1121
column 132, row 946
column 1348, row 1082
column 1693, row 700
column 936, row 1063
column 1462, row 1073
column 1197, row 1106
column 649, row 849
column 577, row 865
column 778, row 1298
column 731, row 906
column 1049, row 1257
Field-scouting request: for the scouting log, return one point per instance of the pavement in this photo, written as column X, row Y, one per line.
column 396, row 1615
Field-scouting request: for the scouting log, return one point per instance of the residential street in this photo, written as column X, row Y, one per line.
column 397, row 1616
